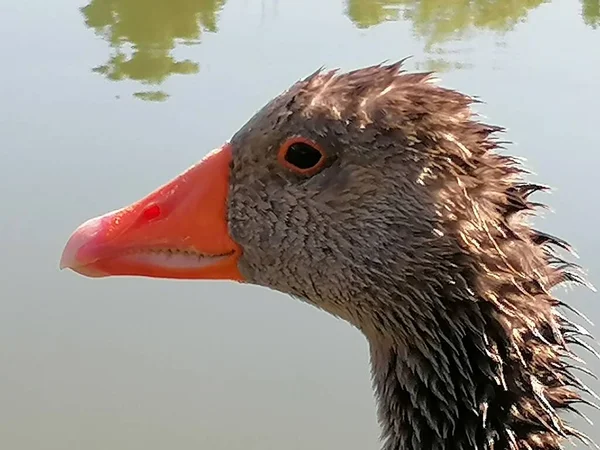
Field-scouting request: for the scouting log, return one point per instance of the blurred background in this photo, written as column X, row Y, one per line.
column 101, row 102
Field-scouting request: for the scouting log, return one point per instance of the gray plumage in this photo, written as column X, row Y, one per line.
column 415, row 232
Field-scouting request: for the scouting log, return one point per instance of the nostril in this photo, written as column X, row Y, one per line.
column 151, row 212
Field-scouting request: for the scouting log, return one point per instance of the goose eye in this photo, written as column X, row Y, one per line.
column 301, row 156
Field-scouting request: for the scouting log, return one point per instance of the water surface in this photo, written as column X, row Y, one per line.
column 103, row 101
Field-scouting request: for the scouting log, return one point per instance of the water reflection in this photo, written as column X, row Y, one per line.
column 441, row 20
column 143, row 33
column 438, row 22
column 591, row 12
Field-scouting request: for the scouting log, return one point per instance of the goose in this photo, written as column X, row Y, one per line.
column 379, row 197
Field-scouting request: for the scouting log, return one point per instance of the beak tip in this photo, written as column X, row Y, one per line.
column 82, row 237
column 68, row 258
column 63, row 264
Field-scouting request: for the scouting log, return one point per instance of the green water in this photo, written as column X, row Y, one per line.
column 101, row 102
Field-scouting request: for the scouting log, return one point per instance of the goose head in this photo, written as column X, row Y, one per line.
column 375, row 195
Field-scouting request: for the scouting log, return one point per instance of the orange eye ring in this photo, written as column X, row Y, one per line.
column 301, row 156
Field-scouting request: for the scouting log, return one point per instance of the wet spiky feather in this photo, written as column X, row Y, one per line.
column 443, row 272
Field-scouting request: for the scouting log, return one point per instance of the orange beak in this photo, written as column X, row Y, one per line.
column 178, row 231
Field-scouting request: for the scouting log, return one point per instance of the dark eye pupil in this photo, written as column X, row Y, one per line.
column 303, row 156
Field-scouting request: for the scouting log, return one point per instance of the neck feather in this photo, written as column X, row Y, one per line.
column 475, row 354
column 475, row 380
column 481, row 360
